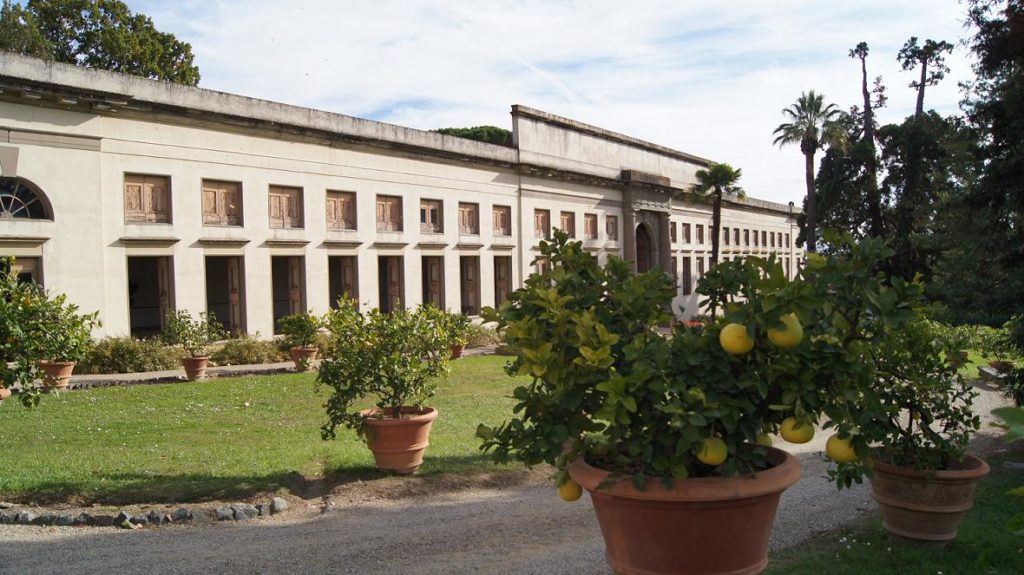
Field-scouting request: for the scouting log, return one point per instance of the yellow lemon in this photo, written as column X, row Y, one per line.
column 735, row 339
column 840, row 450
column 764, row 439
column 570, row 490
column 795, row 431
column 713, row 451
column 790, row 336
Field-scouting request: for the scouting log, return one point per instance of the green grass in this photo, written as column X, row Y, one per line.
column 984, row 543
column 220, row 438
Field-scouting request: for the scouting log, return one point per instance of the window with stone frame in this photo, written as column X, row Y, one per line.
column 469, row 218
column 542, row 224
column 567, row 223
column 764, row 239
column 389, row 214
column 687, row 276
column 788, row 245
column 672, row 232
column 341, row 210
column 147, row 199
column 590, row 226
column 755, row 239
column 222, row 203
column 700, row 234
column 736, row 237
column 746, row 237
column 285, row 207
column 725, row 236
column 686, row 233
column 612, row 227
column 431, row 217
column 502, row 216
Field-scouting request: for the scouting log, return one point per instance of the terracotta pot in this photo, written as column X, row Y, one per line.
column 700, row 526
column 4, row 393
column 195, row 367
column 926, row 505
column 1001, row 366
column 398, row 444
column 57, row 373
column 303, row 357
column 457, row 351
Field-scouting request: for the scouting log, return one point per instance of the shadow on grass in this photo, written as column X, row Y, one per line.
column 438, row 473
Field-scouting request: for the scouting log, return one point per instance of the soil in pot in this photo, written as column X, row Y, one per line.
column 57, row 374
column 303, row 357
column 398, row 443
column 926, row 506
column 195, row 367
column 700, row 526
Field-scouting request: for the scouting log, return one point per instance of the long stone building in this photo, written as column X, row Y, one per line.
column 136, row 197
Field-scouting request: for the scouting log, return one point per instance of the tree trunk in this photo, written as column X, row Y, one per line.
column 874, row 196
column 919, row 110
column 716, row 223
column 812, row 212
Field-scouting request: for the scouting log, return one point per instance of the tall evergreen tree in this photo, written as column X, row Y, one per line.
column 867, row 142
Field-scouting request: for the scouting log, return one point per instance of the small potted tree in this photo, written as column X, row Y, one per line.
column 193, row 335
column 670, row 436
column 300, row 331
column 909, row 428
column 458, row 332
column 21, row 335
column 397, row 359
column 66, row 341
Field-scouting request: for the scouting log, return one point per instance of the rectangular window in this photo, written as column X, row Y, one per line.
column 686, row 233
column 755, row 239
column 672, row 232
column 771, row 238
column 675, row 272
column 736, row 236
column 746, row 237
column 567, row 223
column 787, row 269
column 590, row 226
column 469, row 218
column 341, row 210
column 687, row 277
column 764, row 239
column 700, row 233
column 612, row 225
column 700, row 268
column 389, row 214
column 285, row 207
column 431, row 217
column 147, row 199
column 542, row 224
column 502, row 220
column 788, row 245
column 222, row 203
column 779, row 239
column 725, row 236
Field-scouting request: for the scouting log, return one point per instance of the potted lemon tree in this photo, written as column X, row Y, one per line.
column 301, row 331
column 21, row 335
column 457, row 325
column 908, row 429
column 395, row 360
column 66, row 340
column 193, row 336
column 670, row 436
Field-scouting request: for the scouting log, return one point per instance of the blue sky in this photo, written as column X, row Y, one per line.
column 704, row 77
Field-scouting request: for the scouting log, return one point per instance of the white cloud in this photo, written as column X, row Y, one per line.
column 705, row 77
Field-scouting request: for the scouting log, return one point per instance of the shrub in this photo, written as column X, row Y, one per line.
column 69, row 333
column 482, row 335
column 457, row 326
column 246, row 350
column 300, row 329
column 129, row 355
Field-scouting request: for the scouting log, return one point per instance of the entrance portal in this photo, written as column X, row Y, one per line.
column 150, row 294
column 469, row 280
column 288, row 286
column 391, row 283
column 644, row 250
column 502, row 279
column 433, row 281
column 225, row 292
column 343, row 278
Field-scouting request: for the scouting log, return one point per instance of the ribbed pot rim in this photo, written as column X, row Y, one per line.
column 369, row 416
column 976, row 469
column 776, row 479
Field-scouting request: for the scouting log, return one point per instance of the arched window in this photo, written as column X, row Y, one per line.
column 21, row 199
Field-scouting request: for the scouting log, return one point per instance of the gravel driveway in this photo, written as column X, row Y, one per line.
column 523, row 528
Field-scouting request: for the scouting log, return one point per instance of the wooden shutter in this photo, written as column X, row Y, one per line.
column 295, row 285
column 147, row 198
column 133, row 200
column 234, row 295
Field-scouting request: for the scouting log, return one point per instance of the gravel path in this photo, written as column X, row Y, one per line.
column 517, row 529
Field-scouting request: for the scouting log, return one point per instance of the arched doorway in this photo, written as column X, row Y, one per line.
column 644, row 249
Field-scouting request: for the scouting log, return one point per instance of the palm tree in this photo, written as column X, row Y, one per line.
column 712, row 184
column 813, row 125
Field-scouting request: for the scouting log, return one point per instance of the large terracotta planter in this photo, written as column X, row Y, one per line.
column 303, row 357
column 926, row 505
column 57, row 374
column 700, row 526
column 457, row 351
column 4, row 393
column 195, row 367
column 398, row 444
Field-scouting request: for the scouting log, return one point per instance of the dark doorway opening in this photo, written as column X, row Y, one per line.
column 433, row 280
column 150, row 294
column 343, row 278
column 225, row 292
column 391, row 283
column 288, row 286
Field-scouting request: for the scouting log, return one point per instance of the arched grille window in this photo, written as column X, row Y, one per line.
column 19, row 199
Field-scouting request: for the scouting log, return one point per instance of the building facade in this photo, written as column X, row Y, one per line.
column 136, row 197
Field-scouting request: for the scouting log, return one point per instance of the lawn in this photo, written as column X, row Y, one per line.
column 985, row 543
column 220, row 438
